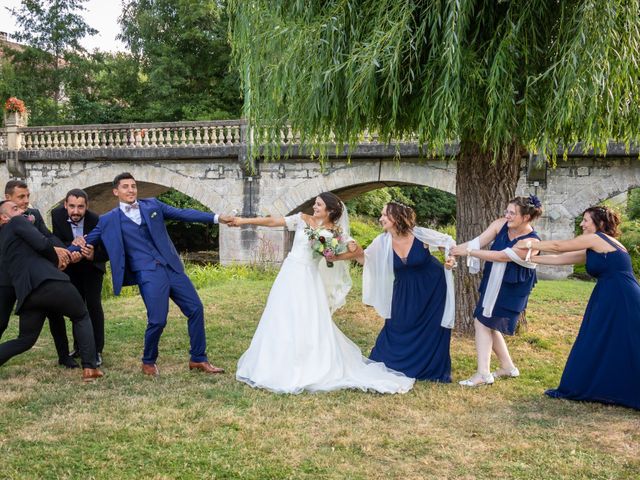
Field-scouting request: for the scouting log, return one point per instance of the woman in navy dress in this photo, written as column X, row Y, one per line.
column 517, row 283
column 604, row 363
column 412, row 340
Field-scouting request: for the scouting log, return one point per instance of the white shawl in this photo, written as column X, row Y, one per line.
column 377, row 277
column 497, row 273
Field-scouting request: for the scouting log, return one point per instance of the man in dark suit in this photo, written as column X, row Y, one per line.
column 32, row 263
column 141, row 252
column 72, row 221
column 17, row 191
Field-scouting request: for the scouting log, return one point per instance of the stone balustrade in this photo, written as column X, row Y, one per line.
column 136, row 135
column 221, row 133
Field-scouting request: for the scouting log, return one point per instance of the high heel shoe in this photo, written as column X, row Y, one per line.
column 478, row 380
column 504, row 373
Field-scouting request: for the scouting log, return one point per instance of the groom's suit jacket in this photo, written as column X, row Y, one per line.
column 153, row 213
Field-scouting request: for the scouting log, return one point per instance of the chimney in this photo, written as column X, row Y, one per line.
column 4, row 36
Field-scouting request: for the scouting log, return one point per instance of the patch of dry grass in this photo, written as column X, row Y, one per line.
column 188, row 425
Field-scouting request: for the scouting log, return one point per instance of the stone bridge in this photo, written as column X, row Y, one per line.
column 208, row 161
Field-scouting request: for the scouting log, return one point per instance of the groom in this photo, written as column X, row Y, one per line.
column 141, row 252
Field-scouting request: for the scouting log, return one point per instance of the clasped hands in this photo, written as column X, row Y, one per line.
column 65, row 257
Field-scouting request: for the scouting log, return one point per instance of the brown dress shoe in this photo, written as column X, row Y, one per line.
column 150, row 369
column 205, row 367
column 90, row 374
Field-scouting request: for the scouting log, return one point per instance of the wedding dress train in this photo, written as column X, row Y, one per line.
column 297, row 346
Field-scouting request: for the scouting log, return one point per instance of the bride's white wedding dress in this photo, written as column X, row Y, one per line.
column 297, row 346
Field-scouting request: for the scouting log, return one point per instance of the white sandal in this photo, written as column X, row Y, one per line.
column 513, row 373
column 477, row 380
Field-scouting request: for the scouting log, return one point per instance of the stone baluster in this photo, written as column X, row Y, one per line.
column 198, row 139
column 190, row 136
column 183, row 138
column 152, row 137
column 205, row 136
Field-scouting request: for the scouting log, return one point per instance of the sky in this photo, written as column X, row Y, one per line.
column 100, row 14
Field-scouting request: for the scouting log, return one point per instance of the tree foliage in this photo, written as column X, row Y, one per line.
column 178, row 68
column 183, row 54
column 633, row 204
column 186, row 236
column 498, row 77
column 540, row 73
column 40, row 72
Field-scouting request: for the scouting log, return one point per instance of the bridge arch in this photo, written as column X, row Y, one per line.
column 98, row 180
column 355, row 178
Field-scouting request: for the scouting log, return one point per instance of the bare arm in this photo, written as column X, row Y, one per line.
column 259, row 221
column 486, row 238
column 582, row 242
column 355, row 252
column 567, row 258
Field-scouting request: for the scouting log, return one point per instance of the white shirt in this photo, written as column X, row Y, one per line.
column 132, row 211
column 77, row 228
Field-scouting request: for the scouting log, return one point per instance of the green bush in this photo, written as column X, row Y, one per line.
column 202, row 276
column 364, row 230
column 630, row 238
column 370, row 204
column 187, row 236
column 633, row 204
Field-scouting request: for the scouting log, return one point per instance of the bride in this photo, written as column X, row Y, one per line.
column 297, row 346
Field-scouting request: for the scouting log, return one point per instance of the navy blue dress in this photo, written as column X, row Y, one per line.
column 517, row 284
column 412, row 340
column 604, row 363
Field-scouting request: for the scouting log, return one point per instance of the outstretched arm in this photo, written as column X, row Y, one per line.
column 259, row 221
column 581, row 242
column 568, row 258
column 486, row 238
column 354, row 252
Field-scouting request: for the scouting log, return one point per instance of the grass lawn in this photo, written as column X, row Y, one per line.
column 190, row 426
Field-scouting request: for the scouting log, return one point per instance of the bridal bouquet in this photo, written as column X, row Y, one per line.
column 326, row 242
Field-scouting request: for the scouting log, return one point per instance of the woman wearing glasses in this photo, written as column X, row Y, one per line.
column 505, row 287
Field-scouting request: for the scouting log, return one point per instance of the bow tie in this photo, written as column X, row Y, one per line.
column 133, row 206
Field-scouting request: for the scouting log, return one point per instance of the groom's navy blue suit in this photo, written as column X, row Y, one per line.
column 144, row 255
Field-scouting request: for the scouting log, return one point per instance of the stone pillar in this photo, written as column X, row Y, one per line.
column 253, row 245
column 556, row 224
column 13, row 121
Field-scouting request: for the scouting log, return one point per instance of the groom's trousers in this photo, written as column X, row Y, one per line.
column 157, row 287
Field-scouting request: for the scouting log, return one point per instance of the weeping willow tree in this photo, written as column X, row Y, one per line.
column 499, row 78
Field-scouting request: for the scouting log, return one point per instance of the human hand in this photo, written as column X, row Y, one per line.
column 352, row 246
column 450, row 263
column 226, row 219
column 79, row 242
column 527, row 244
column 458, row 251
column 236, row 222
column 64, row 257
column 87, row 252
column 76, row 257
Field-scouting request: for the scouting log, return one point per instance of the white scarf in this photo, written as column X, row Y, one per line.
column 497, row 274
column 377, row 276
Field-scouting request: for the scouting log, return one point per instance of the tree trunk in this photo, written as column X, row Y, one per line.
column 483, row 189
